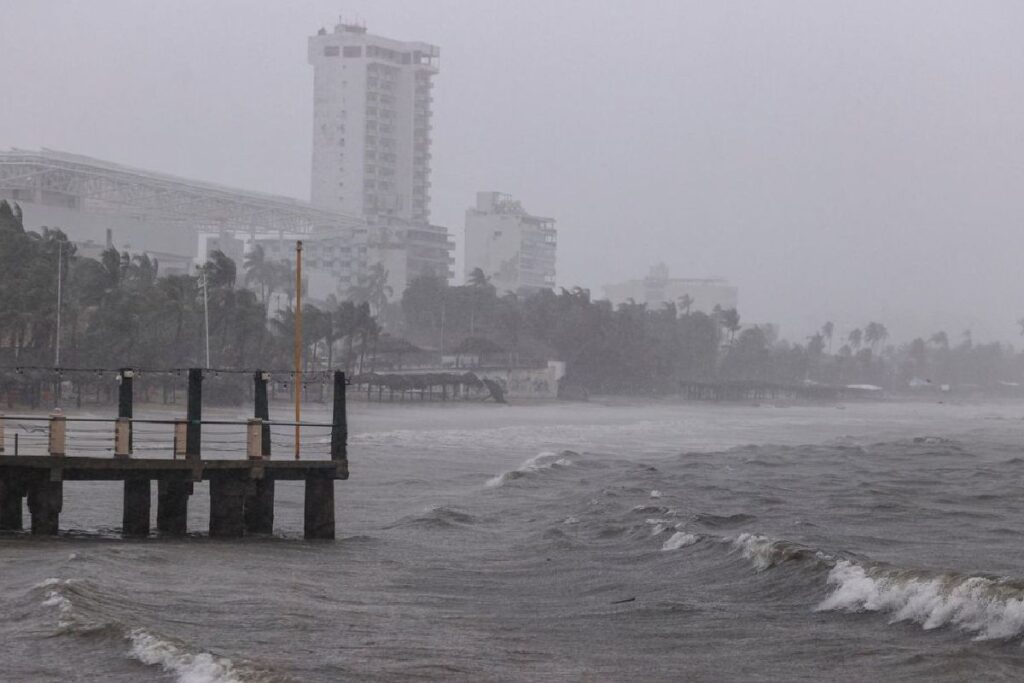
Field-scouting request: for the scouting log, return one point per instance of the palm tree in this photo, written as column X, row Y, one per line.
column 875, row 334
column 827, row 330
column 685, row 303
column 220, row 270
column 378, row 291
column 262, row 272
column 855, row 338
column 478, row 283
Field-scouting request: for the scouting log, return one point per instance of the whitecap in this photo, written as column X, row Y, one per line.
column 981, row 606
column 541, row 461
column 680, row 539
column 186, row 666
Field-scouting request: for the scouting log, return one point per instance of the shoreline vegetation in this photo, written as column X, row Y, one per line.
column 119, row 311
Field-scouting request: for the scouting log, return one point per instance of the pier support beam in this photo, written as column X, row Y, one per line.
column 172, row 507
column 45, row 501
column 135, row 520
column 259, row 507
column 11, row 493
column 319, row 517
column 227, row 505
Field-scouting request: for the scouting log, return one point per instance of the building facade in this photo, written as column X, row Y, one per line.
column 372, row 145
column 688, row 294
column 512, row 247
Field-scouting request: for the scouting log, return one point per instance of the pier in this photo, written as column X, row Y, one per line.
column 241, row 488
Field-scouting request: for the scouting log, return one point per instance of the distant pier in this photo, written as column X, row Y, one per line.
column 241, row 489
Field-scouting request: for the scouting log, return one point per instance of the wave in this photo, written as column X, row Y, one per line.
column 545, row 460
column 144, row 645
column 436, row 517
column 988, row 608
column 680, row 539
column 187, row 667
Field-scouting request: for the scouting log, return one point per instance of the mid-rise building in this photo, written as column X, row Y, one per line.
column 512, row 247
column 688, row 294
column 371, row 145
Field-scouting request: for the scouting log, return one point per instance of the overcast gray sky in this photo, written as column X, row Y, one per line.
column 850, row 161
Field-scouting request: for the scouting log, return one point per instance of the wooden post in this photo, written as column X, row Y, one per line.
column 137, row 500
column 122, row 437
column 319, row 508
column 194, row 414
column 58, row 434
column 11, row 493
column 339, row 419
column 227, row 504
column 45, row 500
column 261, row 407
column 259, row 499
column 124, row 400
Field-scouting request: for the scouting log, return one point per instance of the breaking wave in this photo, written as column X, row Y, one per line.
column 987, row 608
column 143, row 645
column 544, row 460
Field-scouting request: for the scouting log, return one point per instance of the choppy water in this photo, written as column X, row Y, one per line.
column 570, row 542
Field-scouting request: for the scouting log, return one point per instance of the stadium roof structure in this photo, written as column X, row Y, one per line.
column 84, row 183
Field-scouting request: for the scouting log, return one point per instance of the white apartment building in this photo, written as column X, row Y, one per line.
column 515, row 249
column 695, row 294
column 371, row 145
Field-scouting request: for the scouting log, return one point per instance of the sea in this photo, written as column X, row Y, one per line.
column 600, row 541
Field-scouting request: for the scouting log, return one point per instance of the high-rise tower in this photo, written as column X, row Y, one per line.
column 371, row 146
column 371, row 123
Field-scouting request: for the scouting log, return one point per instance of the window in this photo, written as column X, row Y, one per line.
column 352, row 51
column 331, row 51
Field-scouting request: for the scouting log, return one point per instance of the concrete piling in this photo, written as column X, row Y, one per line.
column 11, row 494
column 227, row 506
column 319, row 508
column 137, row 495
column 45, row 501
column 172, row 506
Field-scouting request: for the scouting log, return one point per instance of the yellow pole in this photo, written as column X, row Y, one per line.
column 298, row 344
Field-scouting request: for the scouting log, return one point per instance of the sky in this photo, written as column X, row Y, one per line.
column 843, row 161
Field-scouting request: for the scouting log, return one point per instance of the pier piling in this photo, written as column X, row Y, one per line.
column 45, row 501
column 137, row 494
column 227, row 505
column 172, row 506
column 11, row 494
column 319, row 508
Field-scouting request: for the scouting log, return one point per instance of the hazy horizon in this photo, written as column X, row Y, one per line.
column 847, row 162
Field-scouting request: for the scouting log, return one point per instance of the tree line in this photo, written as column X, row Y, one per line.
column 120, row 311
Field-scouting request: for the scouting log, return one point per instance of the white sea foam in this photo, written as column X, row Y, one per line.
column 680, row 539
column 542, row 461
column 55, row 598
column 186, row 666
column 760, row 550
column 984, row 607
column 655, row 493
